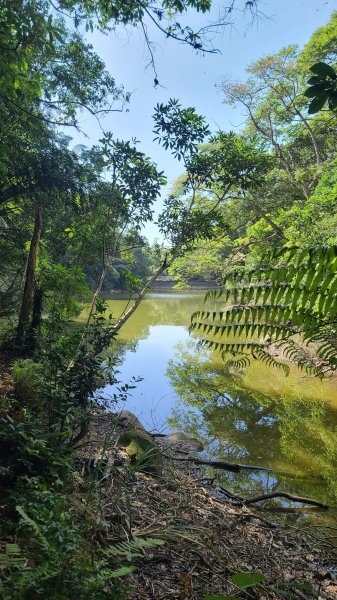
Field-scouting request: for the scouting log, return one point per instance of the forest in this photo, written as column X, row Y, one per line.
column 252, row 221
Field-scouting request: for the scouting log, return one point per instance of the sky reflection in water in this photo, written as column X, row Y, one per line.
column 256, row 417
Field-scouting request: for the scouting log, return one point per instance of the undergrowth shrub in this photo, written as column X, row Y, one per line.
column 27, row 378
column 56, row 553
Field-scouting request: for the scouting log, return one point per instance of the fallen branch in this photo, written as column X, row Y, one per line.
column 216, row 464
column 263, row 497
column 230, row 494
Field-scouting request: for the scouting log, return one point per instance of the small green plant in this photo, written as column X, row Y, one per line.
column 27, row 376
column 55, row 562
column 245, row 580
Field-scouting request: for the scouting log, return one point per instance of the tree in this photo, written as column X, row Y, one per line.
column 55, row 176
column 322, row 45
column 127, row 201
column 226, row 164
column 48, row 72
column 276, row 111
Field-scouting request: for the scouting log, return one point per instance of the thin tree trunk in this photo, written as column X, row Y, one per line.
column 135, row 305
column 29, row 288
column 299, row 114
column 272, row 224
column 97, row 292
column 311, row 135
column 278, row 149
column 143, row 291
column 106, row 264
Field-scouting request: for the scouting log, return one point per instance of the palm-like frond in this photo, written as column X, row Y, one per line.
column 289, row 306
column 132, row 548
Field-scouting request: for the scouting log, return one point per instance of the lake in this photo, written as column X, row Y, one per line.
column 255, row 416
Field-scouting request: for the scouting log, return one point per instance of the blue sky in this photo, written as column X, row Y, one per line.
column 192, row 77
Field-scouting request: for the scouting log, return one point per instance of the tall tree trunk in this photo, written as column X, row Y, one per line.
column 36, row 319
column 29, row 288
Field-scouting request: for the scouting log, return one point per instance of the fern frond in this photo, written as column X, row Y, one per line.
column 239, row 363
column 297, row 354
column 277, row 303
column 11, row 558
column 247, row 329
column 130, row 548
column 34, row 526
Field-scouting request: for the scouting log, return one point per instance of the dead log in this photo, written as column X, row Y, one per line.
column 217, row 464
column 287, row 496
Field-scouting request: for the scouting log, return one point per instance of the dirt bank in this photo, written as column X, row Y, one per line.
column 207, row 540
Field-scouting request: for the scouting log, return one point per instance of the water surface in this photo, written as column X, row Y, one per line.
column 255, row 416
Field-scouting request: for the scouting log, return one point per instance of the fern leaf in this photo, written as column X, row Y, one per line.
column 299, row 296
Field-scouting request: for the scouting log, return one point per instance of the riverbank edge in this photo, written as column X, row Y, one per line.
column 206, row 538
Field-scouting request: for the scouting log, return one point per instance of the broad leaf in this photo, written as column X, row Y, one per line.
column 215, row 597
column 245, row 580
column 324, row 70
column 317, row 103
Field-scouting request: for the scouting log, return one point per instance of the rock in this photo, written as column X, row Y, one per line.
column 127, row 420
column 184, row 441
column 142, row 450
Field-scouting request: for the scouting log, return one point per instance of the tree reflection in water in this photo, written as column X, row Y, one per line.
column 296, row 437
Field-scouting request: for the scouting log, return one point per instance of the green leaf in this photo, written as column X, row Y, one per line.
column 215, row 597
column 283, row 593
column 324, row 70
column 313, row 80
column 317, row 104
column 306, row 586
column 316, row 90
column 122, row 572
column 245, row 580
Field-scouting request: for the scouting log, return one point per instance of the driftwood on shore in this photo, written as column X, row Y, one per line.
column 240, row 501
column 236, row 468
column 217, row 464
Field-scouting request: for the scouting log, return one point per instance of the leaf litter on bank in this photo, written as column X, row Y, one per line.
column 207, row 541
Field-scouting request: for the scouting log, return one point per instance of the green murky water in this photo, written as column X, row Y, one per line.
column 255, row 416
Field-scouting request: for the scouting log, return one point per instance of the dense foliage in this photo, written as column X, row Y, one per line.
column 281, row 302
column 72, row 226
column 70, row 223
column 295, row 204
